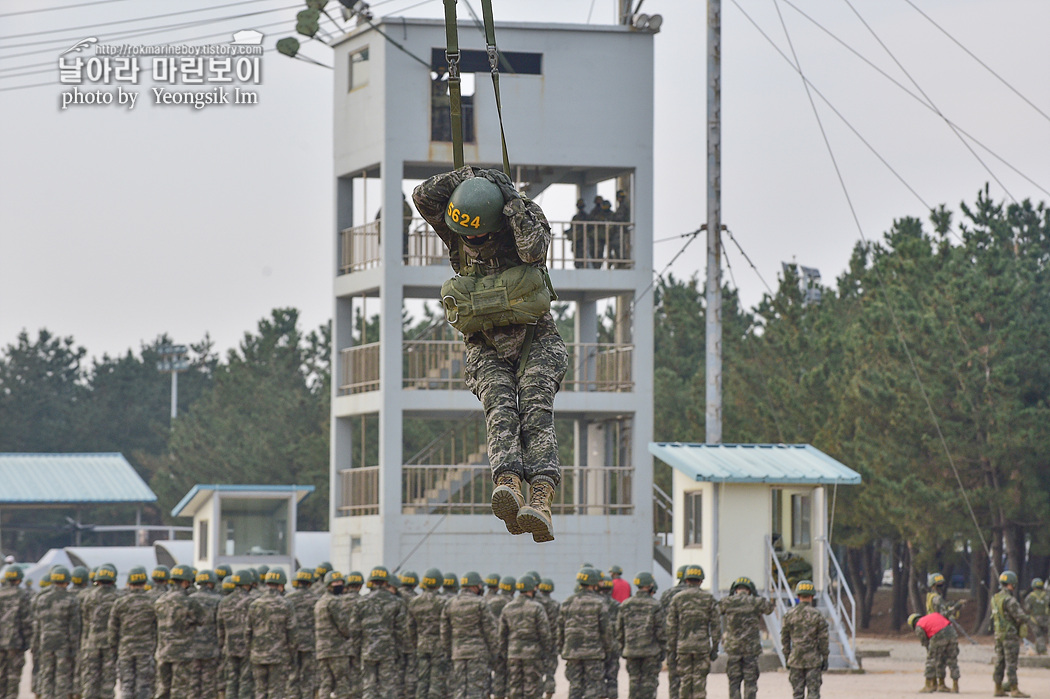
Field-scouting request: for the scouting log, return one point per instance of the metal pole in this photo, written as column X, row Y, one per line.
column 713, row 373
column 174, row 394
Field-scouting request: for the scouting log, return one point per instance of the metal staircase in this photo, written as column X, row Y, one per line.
column 663, row 507
column 459, row 451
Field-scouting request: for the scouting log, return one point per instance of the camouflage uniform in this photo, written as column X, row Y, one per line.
column 468, row 630
column 673, row 680
column 382, row 617
column 524, row 636
column 692, row 625
column 35, row 605
column 178, row 617
column 641, row 639
column 335, row 645
column 424, row 631
column 804, row 638
column 207, row 663
column 303, row 600
column 58, row 632
column 612, row 659
column 230, row 621
column 271, row 637
column 1037, row 605
column 741, row 642
column 16, row 634
column 585, row 637
column 550, row 663
column 577, row 233
column 499, row 663
column 936, row 645
column 1008, row 617
column 521, row 440
column 949, row 657
column 133, row 632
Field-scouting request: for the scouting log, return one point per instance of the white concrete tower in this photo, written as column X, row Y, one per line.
column 409, row 473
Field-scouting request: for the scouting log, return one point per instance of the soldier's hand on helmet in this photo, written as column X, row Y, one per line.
column 500, row 179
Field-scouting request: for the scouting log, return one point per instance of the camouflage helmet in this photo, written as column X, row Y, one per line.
column 934, row 580
column 355, row 578
column 333, row 576
column 744, row 581
column 693, row 572
column 506, row 583
column 223, row 570
column 105, row 573
column 161, row 573
column 526, row 583
column 379, row 574
column 492, row 580
column 181, row 572
column 243, row 577
column 1008, row 578
column 473, row 578
column 276, row 576
column 13, row 573
column 59, row 574
column 680, row 572
column 303, row 576
column 475, row 207
column 588, row 576
column 409, row 579
column 206, row 576
column 450, row 582
column 644, row 579
column 912, row 619
column 432, row 579
column 805, row 588
column 1037, row 583
column 228, row 585
column 321, row 569
column 79, row 575
column 546, row 585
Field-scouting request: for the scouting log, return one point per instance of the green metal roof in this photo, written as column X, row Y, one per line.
column 754, row 463
column 53, row 479
column 199, row 494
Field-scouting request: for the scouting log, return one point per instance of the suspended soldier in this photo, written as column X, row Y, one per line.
column 207, row 663
column 550, row 660
column 132, row 632
column 231, row 620
column 178, row 617
column 16, row 631
column 381, row 616
column 937, row 603
column 585, row 637
column 271, row 637
column 496, row 605
column 303, row 599
column 524, row 633
column 1008, row 618
column 58, row 630
column 741, row 613
column 1037, row 605
column 424, row 634
column 98, row 659
column 515, row 358
column 934, row 632
column 641, row 637
column 468, row 630
column 692, row 634
column 804, row 639
column 333, row 640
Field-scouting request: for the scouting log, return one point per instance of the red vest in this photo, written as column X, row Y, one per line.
column 933, row 624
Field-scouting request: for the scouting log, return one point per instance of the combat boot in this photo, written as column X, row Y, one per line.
column 930, row 687
column 942, row 687
column 536, row 516
column 999, row 691
column 1015, row 692
column 955, row 686
column 507, row 500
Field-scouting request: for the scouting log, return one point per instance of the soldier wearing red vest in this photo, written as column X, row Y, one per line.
column 936, row 633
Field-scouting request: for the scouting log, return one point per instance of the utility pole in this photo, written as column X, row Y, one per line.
column 713, row 373
column 172, row 361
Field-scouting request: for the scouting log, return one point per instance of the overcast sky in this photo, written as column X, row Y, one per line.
column 118, row 225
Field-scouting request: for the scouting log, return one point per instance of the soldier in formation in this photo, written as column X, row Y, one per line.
column 206, row 667
column 132, row 629
column 641, row 638
column 937, row 603
column 496, row 605
column 1037, row 606
column 1008, row 617
column 16, row 631
column 468, row 630
column 56, row 630
column 382, row 620
column 585, row 637
column 230, row 626
column 303, row 600
column 178, row 616
column 524, row 633
column 424, row 634
column 692, row 634
column 804, row 639
column 741, row 613
column 271, row 637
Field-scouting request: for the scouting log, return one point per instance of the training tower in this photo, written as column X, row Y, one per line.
column 410, row 478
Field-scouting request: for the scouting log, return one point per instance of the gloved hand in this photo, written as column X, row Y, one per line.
column 500, row 179
column 713, row 655
column 824, row 665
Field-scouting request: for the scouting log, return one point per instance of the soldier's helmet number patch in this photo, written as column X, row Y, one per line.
column 462, row 217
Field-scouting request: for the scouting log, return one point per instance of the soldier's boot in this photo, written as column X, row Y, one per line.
column 507, row 500
column 930, row 687
column 548, row 695
column 942, row 687
column 1015, row 692
column 999, row 691
column 955, row 686
column 536, row 516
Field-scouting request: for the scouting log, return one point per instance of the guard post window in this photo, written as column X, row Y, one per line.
column 800, row 521
column 359, row 69
column 693, row 524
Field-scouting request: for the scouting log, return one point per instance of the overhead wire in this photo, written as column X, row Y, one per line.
column 60, row 7
column 692, row 237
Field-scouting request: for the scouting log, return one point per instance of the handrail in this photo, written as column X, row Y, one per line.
column 847, row 622
column 779, row 590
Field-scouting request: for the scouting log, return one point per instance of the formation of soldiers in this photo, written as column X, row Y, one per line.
column 593, row 240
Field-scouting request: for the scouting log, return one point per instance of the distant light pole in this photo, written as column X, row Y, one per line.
column 173, row 360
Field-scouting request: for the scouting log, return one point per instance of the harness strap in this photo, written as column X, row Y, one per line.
column 454, row 93
column 493, row 55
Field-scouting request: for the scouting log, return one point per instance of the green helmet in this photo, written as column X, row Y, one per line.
column 473, row 578
column 228, row 585
column 276, row 577
column 13, row 573
column 333, row 576
column 432, row 579
column 526, row 584
column 680, row 572
column 805, row 588
column 693, row 572
column 475, row 207
column 355, row 578
column 79, row 575
column 222, row 571
column 1008, row 578
column 934, row 580
column 409, row 579
column 138, row 576
column 256, row 578
column 161, row 574
column 181, row 572
column 616, row 570
column 588, row 576
column 744, row 581
column 106, row 573
column 1037, row 583
column 206, row 576
column 59, row 574
column 321, row 569
column 379, row 574
column 244, row 577
column 535, row 575
column 492, row 580
column 912, row 619
column 262, row 571
column 450, row 582
column 303, row 576
column 506, row 583
column 644, row 579
column 546, row 585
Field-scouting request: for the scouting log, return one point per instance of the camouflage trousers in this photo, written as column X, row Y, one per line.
column 692, row 674
column 1006, row 652
column 940, row 657
column 805, row 682
column 55, row 677
column 586, row 678
column 519, row 414
column 334, row 677
column 204, row 676
column 644, row 674
column 673, row 680
column 97, row 671
column 469, row 679
column 499, row 677
column 742, row 669
column 11, row 664
column 272, row 680
column 174, row 680
column 549, row 671
column 379, row 680
column 612, row 675
column 408, row 671
column 237, row 676
column 1040, row 629
column 305, row 673
column 136, row 673
column 524, row 679
column 431, row 671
